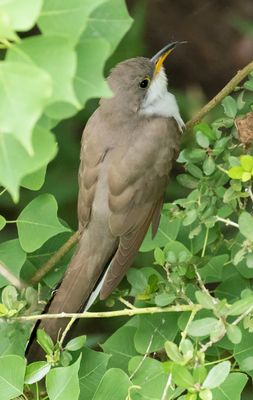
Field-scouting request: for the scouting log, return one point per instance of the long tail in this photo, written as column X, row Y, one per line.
column 81, row 277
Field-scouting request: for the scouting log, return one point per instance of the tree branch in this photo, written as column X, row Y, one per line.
column 7, row 274
column 54, row 259
column 109, row 314
column 230, row 86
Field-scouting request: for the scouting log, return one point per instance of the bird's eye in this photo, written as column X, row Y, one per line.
column 144, row 83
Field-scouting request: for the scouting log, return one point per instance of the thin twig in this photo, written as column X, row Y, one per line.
column 145, row 355
column 109, row 314
column 66, row 330
column 167, row 386
column 227, row 221
column 230, row 86
column 185, row 331
column 11, row 278
column 54, row 259
column 126, row 303
column 242, row 316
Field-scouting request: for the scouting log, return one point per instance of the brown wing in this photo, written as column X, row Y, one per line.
column 137, row 181
column 93, row 151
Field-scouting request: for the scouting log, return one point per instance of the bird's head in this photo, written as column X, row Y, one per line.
column 139, row 82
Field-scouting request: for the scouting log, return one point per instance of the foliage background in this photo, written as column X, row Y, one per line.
column 46, row 79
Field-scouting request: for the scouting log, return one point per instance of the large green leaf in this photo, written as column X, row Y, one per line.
column 91, row 371
column 62, row 383
column 150, row 375
column 25, row 90
column 110, row 21
column 89, row 79
column 14, row 337
column 121, row 347
column 22, row 14
column 66, row 18
column 13, row 257
column 244, row 350
column 114, row 385
column 16, row 162
column 12, row 372
column 167, row 232
column 232, row 388
column 56, row 56
column 217, row 375
column 38, row 222
column 154, row 330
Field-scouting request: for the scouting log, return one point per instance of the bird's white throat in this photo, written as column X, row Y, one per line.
column 159, row 102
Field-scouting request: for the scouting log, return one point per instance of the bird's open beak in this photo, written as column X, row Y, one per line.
column 159, row 58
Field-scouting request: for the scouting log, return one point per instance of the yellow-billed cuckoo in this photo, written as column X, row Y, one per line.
column 128, row 146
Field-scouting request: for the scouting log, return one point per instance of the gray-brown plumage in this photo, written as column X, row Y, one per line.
column 128, row 146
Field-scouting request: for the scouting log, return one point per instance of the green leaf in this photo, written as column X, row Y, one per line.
column 202, row 327
column 26, row 89
column 159, row 256
column 107, row 389
column 181, row 376
column 234, row 333
column 35, row 180
column 2, row 222
column 13, row 257
column 15, row 162
column 181, row 253
column 12, row 372
column 195, row 171
column 38, row 222
column 187, row 181
column 22, row 13
column 244, row 350
column 209, row 166
column 246, row 225
column 121, row 347
column 167, row 231
column 232, row 387
column 230, row 106
column 36, row 371
column 110, row 28
column 76, row 344
column 164, row 299
column 190, row 217
column 248, row 85
column 65, row 18
column 57, row 57
column 173, row 352
column 205, row 394
column 45, row 341
column 9, row 297
column 246, row 162
column 89, row 80
column 235, row 172
column 205, row 300
column 249, row 260
column 156, row 327
column 217, row 375
column 150, row 375
column 63, row 383
column 92, row 368
column 202, row 140
column 247, row 364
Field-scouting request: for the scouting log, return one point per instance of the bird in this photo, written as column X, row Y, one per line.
column 127, row 150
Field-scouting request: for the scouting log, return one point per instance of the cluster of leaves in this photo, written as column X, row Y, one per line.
column 199, row 267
